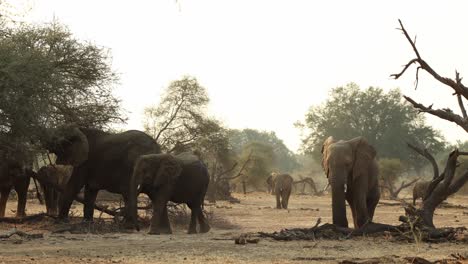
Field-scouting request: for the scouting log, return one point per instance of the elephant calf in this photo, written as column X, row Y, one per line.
column 280, row 185
column 419, row 190
column 164, row 177
column 53, row 179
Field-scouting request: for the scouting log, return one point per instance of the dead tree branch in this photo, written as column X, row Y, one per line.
column 29, row 218
column 446, row 114
column 425, row 153
column 307, row 181
column 457, row 86
column 460, row 90
column 239, row 174
column 394, row 192
column 14, row 231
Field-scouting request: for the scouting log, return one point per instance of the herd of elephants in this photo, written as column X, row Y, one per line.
column 131, row 162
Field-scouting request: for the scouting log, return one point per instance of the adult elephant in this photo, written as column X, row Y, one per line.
column 14, row 176
column 419, row 190
column 280, row 185
column 164, row 177
column 352, row 173
column 100, row 160
column 53, row 180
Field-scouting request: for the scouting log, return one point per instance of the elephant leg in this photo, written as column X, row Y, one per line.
column 165, row 224
column 90, row 199
column 349, row 199
column 22, row 191
column 278, row 202
column 204, row 226
column 54, row 203
column 361, row 211
column 285, row 198
column 48, row 197
column 193, row 219
column 74, row 186
column 159, row 202
column 4, row 192
column 338, row 203
column 127, row 220
column 373, row 198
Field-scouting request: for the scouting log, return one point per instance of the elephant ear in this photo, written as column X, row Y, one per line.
column 364, row 154
column 169, row 170
column 325, row 153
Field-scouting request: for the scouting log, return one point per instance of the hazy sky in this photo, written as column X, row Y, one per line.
column 264, row 63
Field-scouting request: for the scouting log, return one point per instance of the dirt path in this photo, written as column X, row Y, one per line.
column 254, row 213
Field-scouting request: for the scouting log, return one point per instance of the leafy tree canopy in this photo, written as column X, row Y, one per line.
column 381, row 117
column 48, row 77
column 284, row 159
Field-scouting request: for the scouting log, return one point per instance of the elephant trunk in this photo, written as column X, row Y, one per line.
column 337, row 183
column 132, row 208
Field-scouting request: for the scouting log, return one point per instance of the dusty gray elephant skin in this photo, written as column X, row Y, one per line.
column 351, row 164
column 101, row 161
column 164, row 177
column 14, row 176
column 270, row 184
column 51, row 177
column 419, row 190
column 281, row 186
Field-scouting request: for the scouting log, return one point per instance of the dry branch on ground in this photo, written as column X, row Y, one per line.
column 22, row 234
column 403, row 232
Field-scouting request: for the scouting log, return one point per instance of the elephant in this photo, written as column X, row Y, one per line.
column 281, row 186
column 100, row 160
column 419, row 190
column 165, row 177
column 270, row 183
column 53, row 180
column 13, row 175
column 352, row 172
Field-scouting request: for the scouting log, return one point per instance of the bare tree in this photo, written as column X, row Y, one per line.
column 219, row 183
column 179, row 119
column 444, row 184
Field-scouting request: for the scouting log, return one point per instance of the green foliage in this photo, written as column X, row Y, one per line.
column 260, row 165
column 390, row 170
column 47, row 78
column 285, row 160
column 381, row 117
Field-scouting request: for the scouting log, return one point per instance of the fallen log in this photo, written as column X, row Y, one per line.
column 21, row 220
column 404, row 232
column 15, row 231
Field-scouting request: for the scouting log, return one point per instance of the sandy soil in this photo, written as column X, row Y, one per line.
column 254, row 213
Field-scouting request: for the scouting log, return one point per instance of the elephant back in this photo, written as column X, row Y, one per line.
column 186, row 158
column 283, row 181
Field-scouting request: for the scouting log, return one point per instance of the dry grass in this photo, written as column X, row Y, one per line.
column 254, row 213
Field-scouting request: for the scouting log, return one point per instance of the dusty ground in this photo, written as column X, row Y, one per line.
column 254, row 213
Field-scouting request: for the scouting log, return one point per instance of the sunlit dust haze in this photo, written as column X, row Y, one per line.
column 264, row 63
